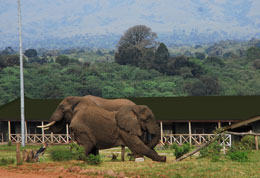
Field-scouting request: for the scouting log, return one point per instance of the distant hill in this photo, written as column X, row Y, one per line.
column 99, row 24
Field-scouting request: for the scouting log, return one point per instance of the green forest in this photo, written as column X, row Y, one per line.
column 137, row 68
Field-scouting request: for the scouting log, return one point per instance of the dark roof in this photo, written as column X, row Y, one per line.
column 203, row 108
column 192, row 108
column 34, row 109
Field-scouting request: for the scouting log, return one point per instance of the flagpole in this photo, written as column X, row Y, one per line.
column 21, row 73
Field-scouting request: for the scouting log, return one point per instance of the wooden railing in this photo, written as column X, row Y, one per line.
column 194, row 139
column 40, row 138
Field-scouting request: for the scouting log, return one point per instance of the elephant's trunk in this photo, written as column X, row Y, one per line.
column 156, row 137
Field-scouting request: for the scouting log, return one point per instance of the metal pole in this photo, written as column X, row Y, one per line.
column 21, row 73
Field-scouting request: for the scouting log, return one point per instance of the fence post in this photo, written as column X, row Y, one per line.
column 9, row 131
column 51, row 137
column 67, row 132
column 190, row 132
column 25, row 125
column 161, row 124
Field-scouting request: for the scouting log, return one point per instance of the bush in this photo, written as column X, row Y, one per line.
column 240, row 156
column 246, row 143
column 180, row 150
column 92, row 159
column 6, row 161
column 212, row 151
column 61, row 154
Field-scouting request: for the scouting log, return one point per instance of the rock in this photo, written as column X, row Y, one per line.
column 74, row 169
column 85, row 171
column 110, row 173
column 141, row 159
column 121, row 175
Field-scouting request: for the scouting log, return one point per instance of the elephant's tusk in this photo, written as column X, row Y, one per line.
column 46, row 128
column 47, row 125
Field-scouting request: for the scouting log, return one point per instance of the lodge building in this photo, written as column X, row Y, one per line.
column 188, row 118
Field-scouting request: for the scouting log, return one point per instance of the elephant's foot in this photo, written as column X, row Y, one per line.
column 161, row 159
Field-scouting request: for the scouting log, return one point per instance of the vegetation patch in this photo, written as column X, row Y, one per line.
column 240, row 156
column 6, row 161
column 181, row 150
column 93, row 159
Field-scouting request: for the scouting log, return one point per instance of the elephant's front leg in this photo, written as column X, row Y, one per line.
column 84, row 140
column 137, row 146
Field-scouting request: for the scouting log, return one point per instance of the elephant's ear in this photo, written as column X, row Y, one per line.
column 127, row 120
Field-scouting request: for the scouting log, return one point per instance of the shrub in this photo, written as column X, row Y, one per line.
column 248, row 142
column 92, row 159
column 240, row 156
column 212, row 151
column 61, row 154
column 77, row 151
column 6, row 161
column 180, row 150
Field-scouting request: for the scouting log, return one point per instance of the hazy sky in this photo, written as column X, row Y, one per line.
column 69, row 17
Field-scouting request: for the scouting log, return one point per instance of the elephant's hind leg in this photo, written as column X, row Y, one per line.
column 94, row 151
column 137, row 146
column 123, row 153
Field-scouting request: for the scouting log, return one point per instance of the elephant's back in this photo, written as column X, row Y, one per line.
column 111, row 104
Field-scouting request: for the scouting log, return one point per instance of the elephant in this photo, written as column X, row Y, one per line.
column 72, row 104
column 96, row 128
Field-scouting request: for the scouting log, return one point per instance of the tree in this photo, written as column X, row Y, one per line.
column 200, row 55
column 139, row 35
column 253, row 53
column 128, row 55
column 63, row 60
column 8, row 50
column 9, row 60
column 161, row 57
column 30, row 53
column 134, row 44
column 205, row 86
column 256, row 63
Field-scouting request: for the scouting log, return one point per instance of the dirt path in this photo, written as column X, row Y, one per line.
column 8, row 174
column 53, row 170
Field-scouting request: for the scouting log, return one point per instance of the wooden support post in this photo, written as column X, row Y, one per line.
column 67, row 132
column 161, row 125
column 189, row 132
column 2, row 137
column 219, row 125
column 9, row 130
column 25, row 125
column 256, row 142
column 51, row 137
column 42, row 133
column 18, row 155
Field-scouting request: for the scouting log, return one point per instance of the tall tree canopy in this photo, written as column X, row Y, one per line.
column 139, row 35
column 133, row 46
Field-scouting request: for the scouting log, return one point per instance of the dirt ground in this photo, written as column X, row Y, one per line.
column 53, row 170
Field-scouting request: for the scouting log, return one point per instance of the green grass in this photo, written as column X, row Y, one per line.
column 191, row 167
